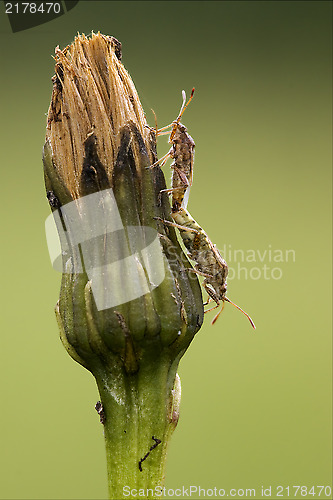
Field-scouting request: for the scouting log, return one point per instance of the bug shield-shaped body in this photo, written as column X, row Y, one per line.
column 211, row 263
column 182, row 152
column 208, row 260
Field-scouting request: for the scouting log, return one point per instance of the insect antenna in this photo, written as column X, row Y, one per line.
column 184, row 106
column 175, row 123
column 237, row 307
column 156, row 128
column 182, row 109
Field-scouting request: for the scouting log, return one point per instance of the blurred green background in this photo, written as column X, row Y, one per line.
column 256, row 407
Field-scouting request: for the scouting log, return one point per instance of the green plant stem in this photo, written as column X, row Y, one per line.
column 139, row 412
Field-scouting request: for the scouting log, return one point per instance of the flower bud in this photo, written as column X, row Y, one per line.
column 127, row 295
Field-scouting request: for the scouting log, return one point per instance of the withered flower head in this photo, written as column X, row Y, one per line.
column 126, row 289
column 128, row 306
column 93, row 97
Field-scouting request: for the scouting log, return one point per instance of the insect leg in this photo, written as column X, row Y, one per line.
column 218, row 314
column 169, row 191
column 163, row 133
column 156, row 129
column 200, row 273
column 209, row 299
column 164, row 128
column 177, row 225
column 163, row 161
column 184, row 181
column 217, row 301
column 212, row 308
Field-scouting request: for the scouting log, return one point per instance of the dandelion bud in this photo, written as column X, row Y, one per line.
column 128, row 306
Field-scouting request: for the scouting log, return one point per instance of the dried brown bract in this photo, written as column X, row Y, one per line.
column 93, row 95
